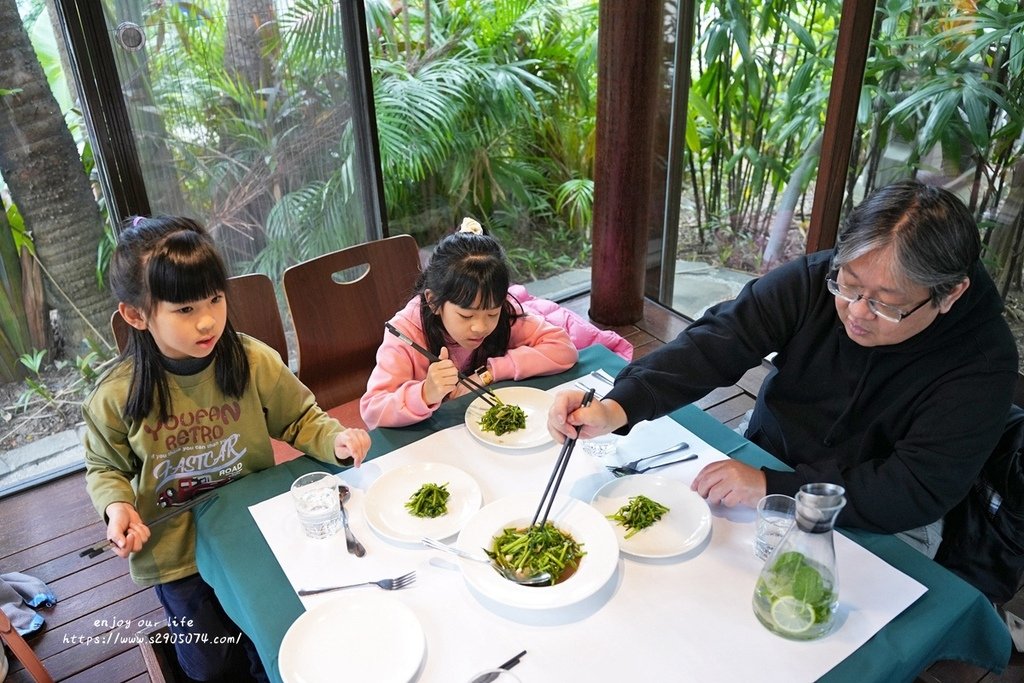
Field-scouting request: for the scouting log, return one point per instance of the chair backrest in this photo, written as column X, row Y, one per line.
column 983, row 536
column 22, row 650
column 339, row 320
column 252, row 309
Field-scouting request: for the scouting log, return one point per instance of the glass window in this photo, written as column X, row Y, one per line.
column 759, row 83
column 487, row 109
column 51, row 228
column 942, row 102
column 241, row 113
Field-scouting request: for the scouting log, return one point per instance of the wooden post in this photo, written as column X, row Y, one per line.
column 840, row 120
column 629, row 51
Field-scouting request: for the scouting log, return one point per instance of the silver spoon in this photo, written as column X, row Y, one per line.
column 354, row 546
column 521, row 579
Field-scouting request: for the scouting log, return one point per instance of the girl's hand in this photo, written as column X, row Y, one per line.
column 600, row 417
column 730, row 483
column 125, row 529
column 442, row 377
column 352, row 443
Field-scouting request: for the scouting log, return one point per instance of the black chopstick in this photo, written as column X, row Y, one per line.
column 556, row 474
column 98, row 549
column 483, row 392
column 512, row 662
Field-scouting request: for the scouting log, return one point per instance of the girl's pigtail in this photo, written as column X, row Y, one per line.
column 231, row 363
column 149, row 379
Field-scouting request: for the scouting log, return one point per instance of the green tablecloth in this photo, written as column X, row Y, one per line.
column 951, row 620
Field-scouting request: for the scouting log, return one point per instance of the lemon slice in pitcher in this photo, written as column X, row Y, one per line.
column 792, row 615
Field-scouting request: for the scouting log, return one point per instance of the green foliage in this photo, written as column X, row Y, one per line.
column 946, row 83
column 41, row 394
column 491, row 115
column 14, row 333
column 943, row 82
column 757, row 99
column 34, row 362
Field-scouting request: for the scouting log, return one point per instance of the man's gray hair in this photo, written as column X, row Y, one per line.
column 933, row 236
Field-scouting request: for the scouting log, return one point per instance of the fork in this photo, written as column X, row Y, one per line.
column 681, row 446
column 394, row 584
column 623, row 471
column 583, row 387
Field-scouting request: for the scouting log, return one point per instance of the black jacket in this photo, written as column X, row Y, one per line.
column 905, row 428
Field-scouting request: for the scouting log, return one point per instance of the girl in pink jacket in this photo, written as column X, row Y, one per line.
column 462, row 312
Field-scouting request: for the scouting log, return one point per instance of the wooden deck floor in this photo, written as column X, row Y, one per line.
column 43, row 528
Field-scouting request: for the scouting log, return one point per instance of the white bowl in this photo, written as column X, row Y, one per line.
column 574, row 517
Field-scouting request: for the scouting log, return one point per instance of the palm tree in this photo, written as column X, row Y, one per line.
column 43, row 169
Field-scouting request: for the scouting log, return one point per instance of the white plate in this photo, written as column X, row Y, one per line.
column 386, row 499
column 581, row 521
column 685, row 526
column 534, row 402
column 358, row 637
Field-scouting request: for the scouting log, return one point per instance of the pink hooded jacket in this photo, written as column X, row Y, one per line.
column 581, row 332
column 394, row 392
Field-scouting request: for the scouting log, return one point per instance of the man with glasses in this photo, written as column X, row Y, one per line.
column 893, row 377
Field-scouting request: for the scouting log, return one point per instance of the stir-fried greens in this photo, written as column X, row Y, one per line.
column 430, row 500
column 503, row 418
column 638, row 514
column 534, row 550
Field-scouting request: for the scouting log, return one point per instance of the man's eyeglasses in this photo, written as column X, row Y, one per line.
column 883, row 311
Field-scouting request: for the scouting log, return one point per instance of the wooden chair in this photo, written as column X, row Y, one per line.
column 339, row 316
column 22, row 651
column 252, row 308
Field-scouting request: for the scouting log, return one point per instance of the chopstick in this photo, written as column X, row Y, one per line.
column 556, row 474
column 98, row 549
column 512, row 662
column 493, row 675
column 483, row 392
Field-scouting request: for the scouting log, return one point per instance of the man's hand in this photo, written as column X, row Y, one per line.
column 730, row 483
column 600, row 417
column 125, row 529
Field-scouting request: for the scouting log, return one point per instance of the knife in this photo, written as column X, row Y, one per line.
column 493, row 675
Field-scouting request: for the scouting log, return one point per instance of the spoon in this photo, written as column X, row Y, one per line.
column 354, row 546
column 521, row 579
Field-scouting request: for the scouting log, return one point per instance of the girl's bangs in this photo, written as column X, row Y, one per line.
column 191, row 272
column 489, row 285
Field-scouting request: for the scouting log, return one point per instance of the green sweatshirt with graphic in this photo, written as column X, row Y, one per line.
column 208, row 440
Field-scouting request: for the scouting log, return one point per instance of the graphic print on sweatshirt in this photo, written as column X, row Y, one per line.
column 195, row 452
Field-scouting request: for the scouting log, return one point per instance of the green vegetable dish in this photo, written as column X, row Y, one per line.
column 502, row 419
column 430, row 500
column 638, row 514
column 531, row 551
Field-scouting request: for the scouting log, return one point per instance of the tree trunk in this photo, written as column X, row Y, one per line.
column 239, row 220
column 159, row 170
column 775, row 250
column 250, row 32
column 1003, row 238
column 42, row 167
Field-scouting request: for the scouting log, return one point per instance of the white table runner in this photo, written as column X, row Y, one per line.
column 687, row 618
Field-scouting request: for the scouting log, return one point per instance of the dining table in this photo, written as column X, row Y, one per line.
column 655, row 617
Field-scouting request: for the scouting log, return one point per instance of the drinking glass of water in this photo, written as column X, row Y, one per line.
column 776, row 513
column 317, row 504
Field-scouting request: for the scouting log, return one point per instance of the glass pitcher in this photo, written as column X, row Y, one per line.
column 797, row 593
